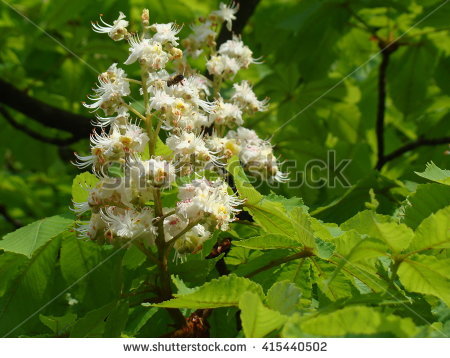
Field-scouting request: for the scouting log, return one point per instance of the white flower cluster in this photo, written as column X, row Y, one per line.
column 203, row 129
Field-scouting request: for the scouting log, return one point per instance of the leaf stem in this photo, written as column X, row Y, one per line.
column 135, row 111
column 298, row 255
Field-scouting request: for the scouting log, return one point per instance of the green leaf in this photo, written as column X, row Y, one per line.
column 80, row 186
column 408, row 86
column 301, row 222
column 396, row 236
column 95, row 269
column 162, row 149
column 222, row 292
column 283, row 297
column 433, row 232
column 116, row 321
column 29, row 291
column 92, row 325
column 427, row 275
column 333, row 285
column 138, row 317
column 245, row 189
column 58, row 325
column 349, row 321
column 324, row 249
column 258, row 320
column 28, row 239
column 288, row 203
column 272, row 217
column 181, row 286
column 427, row 199
column 268, row 241
column 434, row 173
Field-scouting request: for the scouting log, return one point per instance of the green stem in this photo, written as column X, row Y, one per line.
column 133, row 81
column 135, row 111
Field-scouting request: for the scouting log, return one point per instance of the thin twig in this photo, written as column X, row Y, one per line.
column 411, row 146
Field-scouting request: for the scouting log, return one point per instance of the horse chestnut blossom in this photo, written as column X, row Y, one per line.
column 171, row 194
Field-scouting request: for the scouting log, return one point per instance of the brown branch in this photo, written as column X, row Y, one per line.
column 381, row 106
column 411, row 146
column 33, row 134
column 387, row 49
column 79, row 126
column 246, row 10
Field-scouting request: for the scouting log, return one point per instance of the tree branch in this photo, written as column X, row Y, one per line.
column 411, row 146
column 79, row 126
column 381, row 105
column 33, row 134
column 246, row 10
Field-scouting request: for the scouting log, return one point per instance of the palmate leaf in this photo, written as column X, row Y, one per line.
column 95, row 269
column 272, row 217
column 433, row 232
column 243, row 185
column 28, row 239
column 333, row 285
column 283, row 297
column 269, row 241
column 396, row 236
column 257, row 319
column 222, row 292
column 427, row 275
column 352, row 320
column 30, row 289
column 434, row 173
column 427, row 199
column 58, row 324
column 93, row 324
column 300, row 220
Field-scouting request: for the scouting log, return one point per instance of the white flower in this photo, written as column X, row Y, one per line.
column 188, row 147
column 257, row 155
column 236, row 49
column 117, row 31
column 134, row 139
column 245, row 98
column 227, row 114
column 202, row 197
column 226, row 13
column 148, row 52
column 92, row 228
column 166, row 33
column 127, row 223
column 110, row 90
column 202, row 36
column 225, row 146
column 120, row 119
column 161, row 100
column 155, row 172
column 192, row 241
column 106, row 148
column 223, row 65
